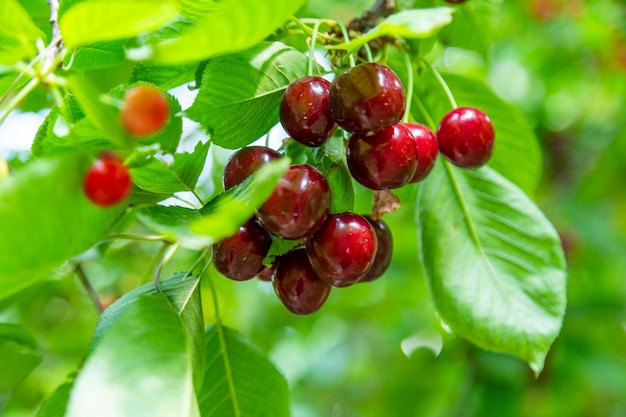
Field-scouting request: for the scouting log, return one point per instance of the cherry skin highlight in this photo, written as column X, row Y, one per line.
column 466, row 137
column 297, row 285
column 108, row 181
column 384, row 251
column 240, row 256
column 385, row 160
column 145, row 110
column 427, row 149
column 245, row 162
column 367, row 98
column 305, row 111
column 299, row 204
column 342, row 251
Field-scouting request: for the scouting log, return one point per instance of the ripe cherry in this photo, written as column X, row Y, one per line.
column 267, row 273
column 245, row 162
column 367, row 98
column 384, row 252
column 240, row 256
column 305, row 111
column 387, row 159
column 343, row 249
column 108, row 181
column 297, row 285
column 145, row 110
column 427, row 149
column 299, row 204
column 466, row 137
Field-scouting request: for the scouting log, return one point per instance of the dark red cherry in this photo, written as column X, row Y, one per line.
column 466, row 137
column 299, row 204
column 384, row 252
column 305, row 111
column 267, row 273
column 427, row 149
column 108, row 181
column 343, row 249
column 240, row 256
column 244, row 163
column 145, row 110
column 297, row 285
column 387, row 159
column 367, row 98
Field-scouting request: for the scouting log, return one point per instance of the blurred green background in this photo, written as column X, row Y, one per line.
column 379, row 349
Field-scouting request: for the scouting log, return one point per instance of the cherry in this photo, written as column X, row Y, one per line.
column 343, row 249
column 305, row 111
column 387, row 159
column 299, row 204
column 384, row 252
column 108, row 181
column 267, row 273
column 466, row 137
column 145, row 110
column 367, row 98
column 245, row 162
column 427, row 149
column 240, row 256
column 297, row 285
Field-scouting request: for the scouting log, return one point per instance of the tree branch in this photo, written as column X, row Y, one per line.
column 371, row 17
column 56, row 43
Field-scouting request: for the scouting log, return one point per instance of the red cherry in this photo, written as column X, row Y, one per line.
column 145, row 110
column 466, row 137
column 245, row 162
column 384, row 252
column 107, row 182
column 427, row 149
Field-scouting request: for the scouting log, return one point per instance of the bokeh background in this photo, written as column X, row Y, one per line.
column 379, row 349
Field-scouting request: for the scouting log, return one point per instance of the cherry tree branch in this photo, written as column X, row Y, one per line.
column 56, row 43
column 371, row 17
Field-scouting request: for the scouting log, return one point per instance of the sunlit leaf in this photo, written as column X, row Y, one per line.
column 19, row 359
column 141, row 366
column 240, row 380
column 105, row 20
column 46, row 219
column 494, row 262
column 18, row 33
column 223, row 27
column 246, row 107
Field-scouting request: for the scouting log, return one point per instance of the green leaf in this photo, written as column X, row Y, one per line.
column 330, row 160
column 278, row 248
column 56, row 404
column 471, row 27
column 142, row 366
column 97, row 55
column 105, row 20
column 517, row 154
column 174, row 224
column 408, row 24
column 46, row 219
column 226, row 212
column 182, row 175
column 240, row 380
column 178, row 288
column 246, row 107
column 494, row 262
column 19, row 359
column 18, row 33
column 223, row 27
column 166, row 77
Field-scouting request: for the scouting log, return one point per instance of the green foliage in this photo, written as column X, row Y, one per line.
column 239, row 379
column 494, row 263
column 26, row 201
column 476, row 289
column 237, row 113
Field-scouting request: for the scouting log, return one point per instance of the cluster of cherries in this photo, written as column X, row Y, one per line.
column 339, row 250
column 144, row 112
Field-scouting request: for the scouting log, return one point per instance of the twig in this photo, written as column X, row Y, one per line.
column 371, row 17
column 55, row 47
column 82, row 277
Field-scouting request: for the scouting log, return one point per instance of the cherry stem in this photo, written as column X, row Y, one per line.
column 132, row 236
column 82, row 277
column 167, row 252
column 316, row 29
column 346, row 38
column 425, row 113
column 368, row 52
column 443, row 84
column 17, row 99
column 205, row 254
column 409, row 87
